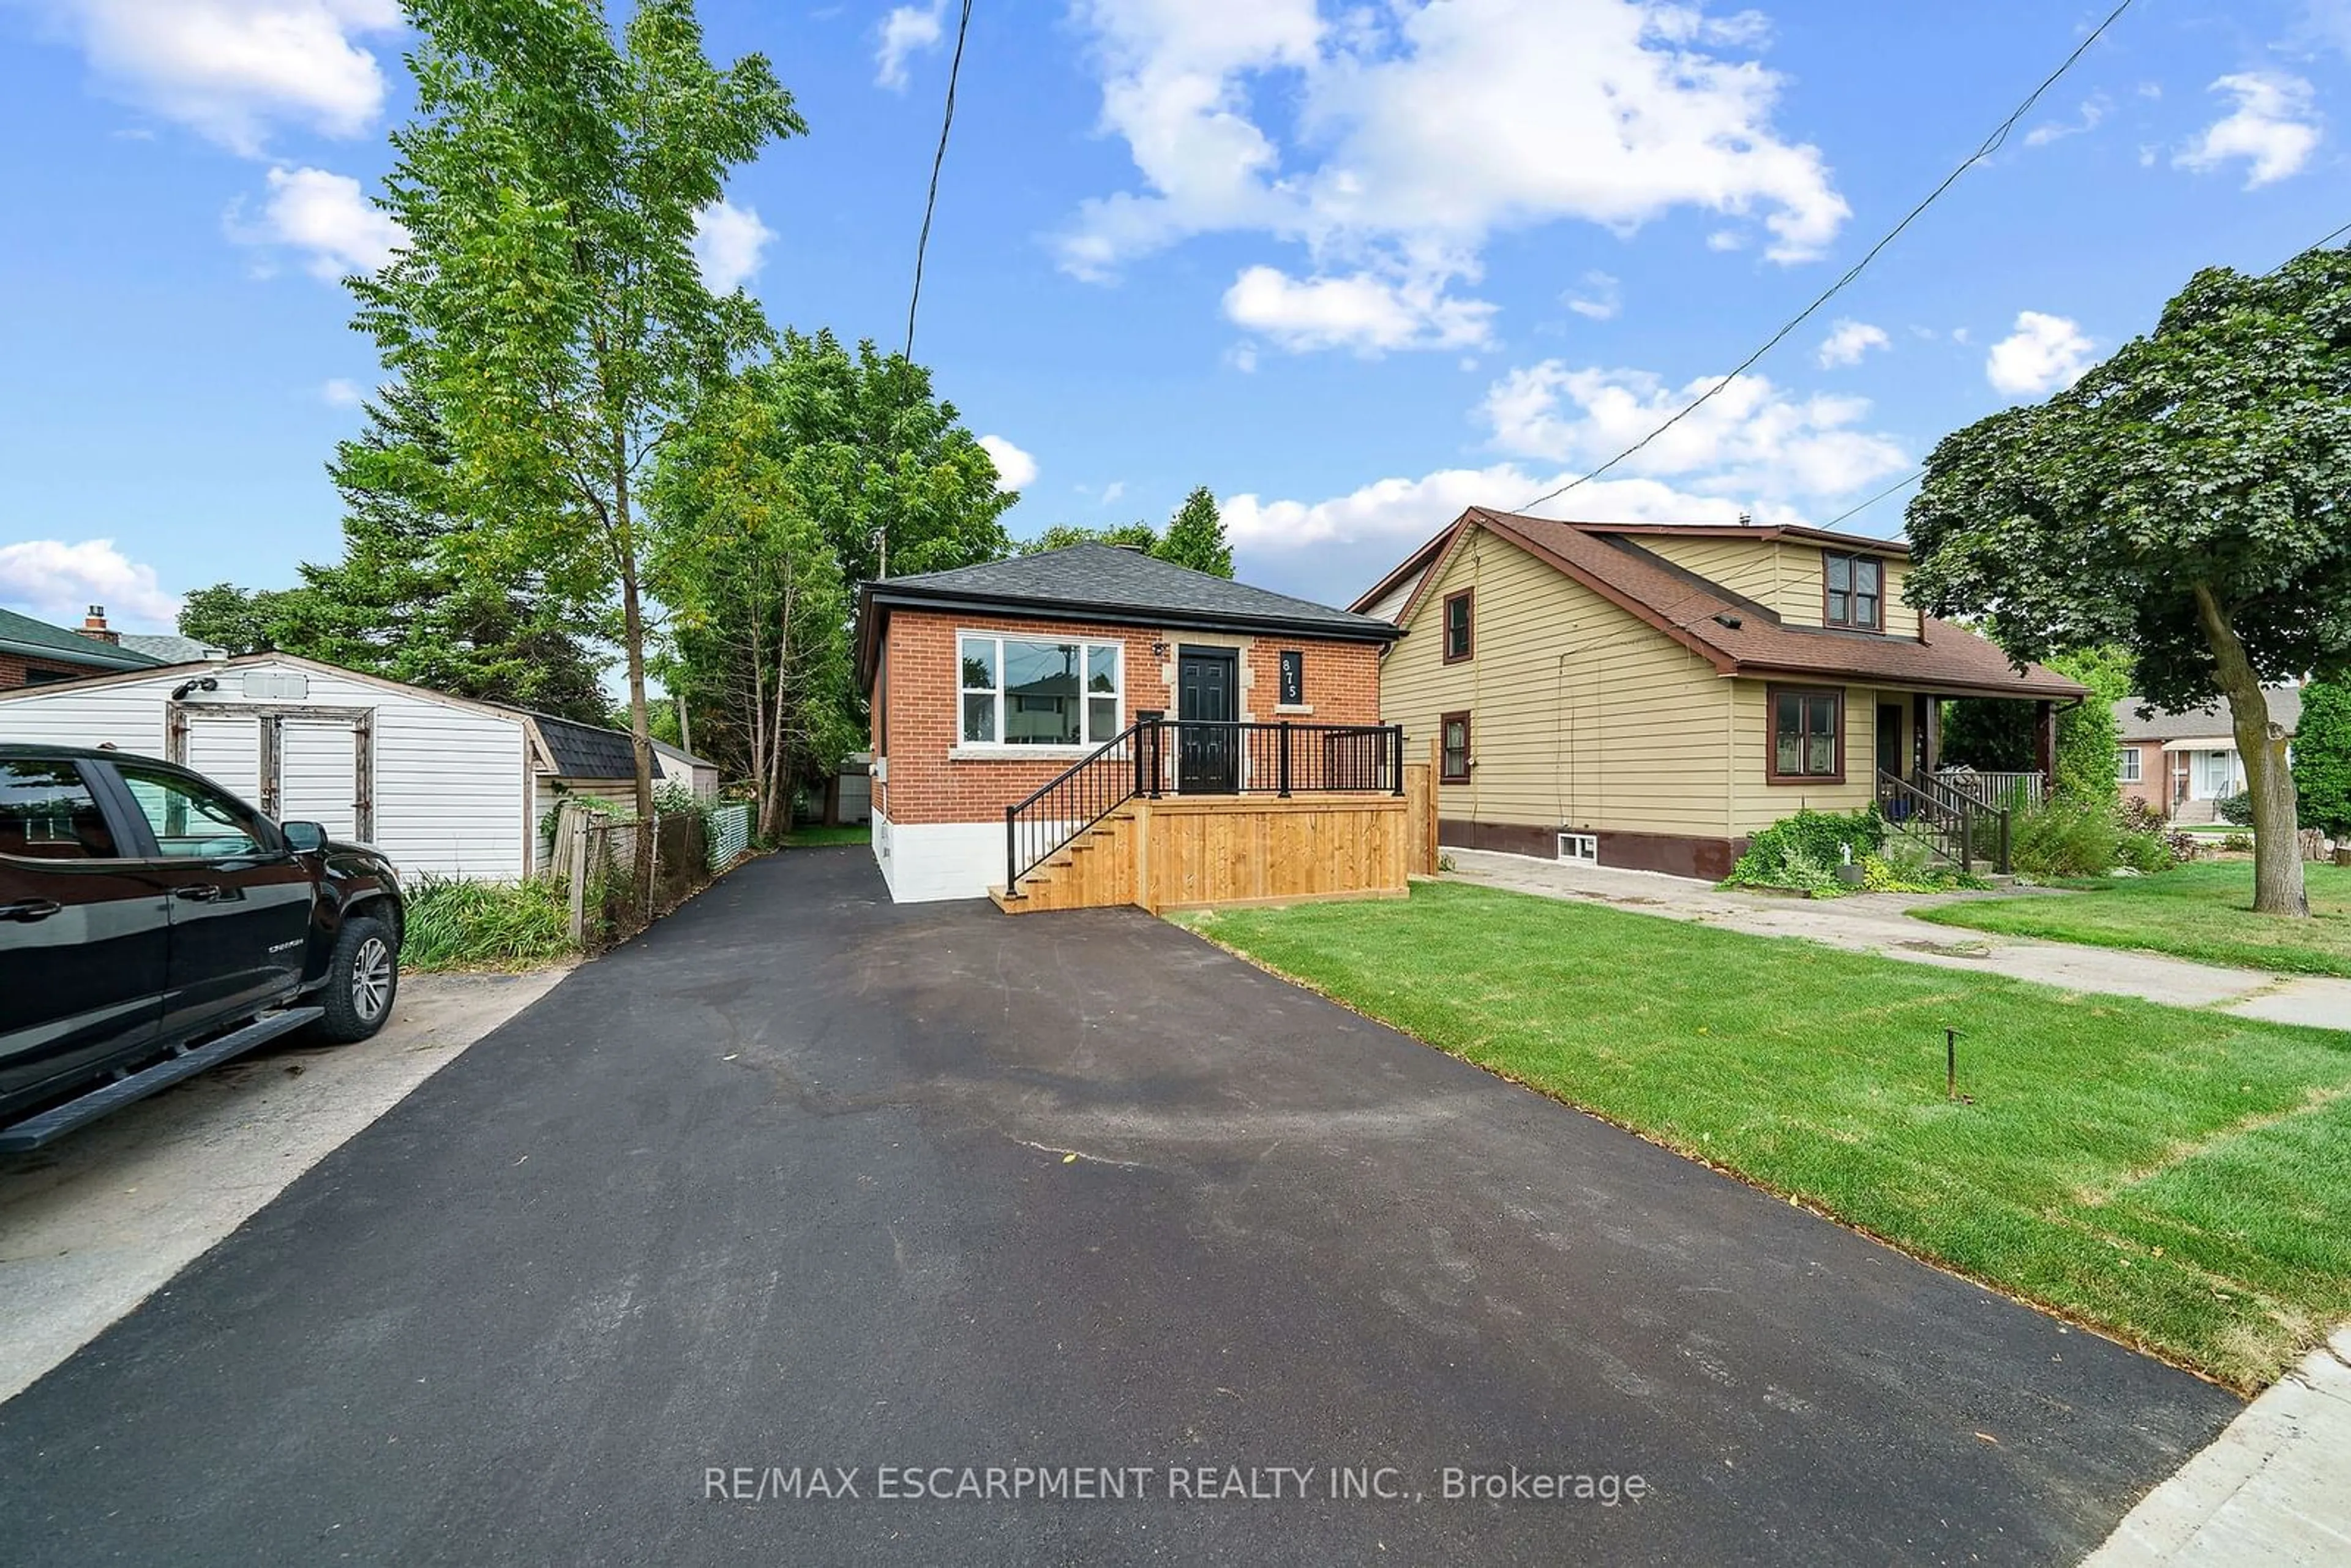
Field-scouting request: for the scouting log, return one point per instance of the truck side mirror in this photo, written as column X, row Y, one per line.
column 304, row 838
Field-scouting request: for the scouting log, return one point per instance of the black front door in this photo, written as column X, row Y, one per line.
column 1889, row 739
column 1207, row 749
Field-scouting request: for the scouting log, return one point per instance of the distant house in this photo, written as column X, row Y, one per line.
column 35, row 653
column 1649, row 695
column 441, row 784
column 672, row 765
column 2183, row 764
column 1021, row 701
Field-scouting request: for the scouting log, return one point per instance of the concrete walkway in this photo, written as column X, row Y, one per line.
column 2270, row 1491
column 1879, row 922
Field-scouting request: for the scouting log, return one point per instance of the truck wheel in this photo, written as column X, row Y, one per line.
column 363, row 978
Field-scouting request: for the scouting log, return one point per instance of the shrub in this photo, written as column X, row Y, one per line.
column 2236, row 810
column 2142, row 849
column 2065, row 838
column 2238, row 844
column 453, row 924
column 1803, row 851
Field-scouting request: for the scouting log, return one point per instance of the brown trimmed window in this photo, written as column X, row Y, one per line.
column 1460, row 630
column 1453, row 749
column 1853, row 592
column 1807, row 735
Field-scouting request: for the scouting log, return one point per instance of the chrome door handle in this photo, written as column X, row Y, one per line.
column 201, row 893
column 28, row 910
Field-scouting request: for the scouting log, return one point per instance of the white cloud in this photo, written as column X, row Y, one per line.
column 1749, row 439
column 728, row 242
column 1370, row 315
column 1600, row 300
column 232, row 69
column 907, row 30
column 1242, row 357
column 2274, row 128
column 1015, row 469
column 58, row 581
column 1424, row 128
column 1113, row 491
column 1333, row 550
column 1848, row 341
column 2043, row 354
column 325, row 214
column 341, row 391
column 2093, row 111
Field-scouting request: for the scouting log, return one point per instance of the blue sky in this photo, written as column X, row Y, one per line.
column 1353, row 266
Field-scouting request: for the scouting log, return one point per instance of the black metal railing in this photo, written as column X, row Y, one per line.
column 1157, row 756
column 1956, row 825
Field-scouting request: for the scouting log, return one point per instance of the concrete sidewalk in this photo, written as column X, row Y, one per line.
column 1879, row 922
column 2269, row 1491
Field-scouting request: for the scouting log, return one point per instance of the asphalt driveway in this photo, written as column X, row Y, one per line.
column 790, row 1183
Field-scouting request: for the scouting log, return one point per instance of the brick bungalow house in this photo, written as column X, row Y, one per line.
column 35, row 653
column 990, row 683
column 2182, row 765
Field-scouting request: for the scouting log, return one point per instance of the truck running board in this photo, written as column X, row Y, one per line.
column 63, row 1119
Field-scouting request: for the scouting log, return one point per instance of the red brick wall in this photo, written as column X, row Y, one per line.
column 2154, row 783
column 12, row 671
column 1343, row 686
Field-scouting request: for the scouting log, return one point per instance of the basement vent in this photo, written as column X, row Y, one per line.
column 1581, row 847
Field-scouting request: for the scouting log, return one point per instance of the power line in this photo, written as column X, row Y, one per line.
column 1849, row 511
column 1990, row 145
column 923, row 246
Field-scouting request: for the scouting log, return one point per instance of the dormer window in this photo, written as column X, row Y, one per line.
column 1855, row 593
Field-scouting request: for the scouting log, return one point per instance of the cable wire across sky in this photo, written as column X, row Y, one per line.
column 939, row 158
column 1990, row 145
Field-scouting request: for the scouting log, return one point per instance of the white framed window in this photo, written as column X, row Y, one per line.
column 2130, row 774
column 1582, row 847
column 1038, row 691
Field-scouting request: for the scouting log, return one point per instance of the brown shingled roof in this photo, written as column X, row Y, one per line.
column 1608, row 560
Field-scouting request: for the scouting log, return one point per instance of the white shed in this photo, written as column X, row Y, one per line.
column 438, row 783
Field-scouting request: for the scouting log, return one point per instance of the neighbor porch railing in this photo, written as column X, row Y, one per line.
column 1156, row 756
column 1958, row 827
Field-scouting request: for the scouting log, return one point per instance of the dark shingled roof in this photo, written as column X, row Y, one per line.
column 2208, row 722
column 38, row 639
column 586, row 750
column 1106, row 582
column 1610, row 560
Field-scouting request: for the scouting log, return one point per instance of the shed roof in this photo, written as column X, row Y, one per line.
column 579, row 750
column 1109, row 583
column 22, row 634
column 2210, row 720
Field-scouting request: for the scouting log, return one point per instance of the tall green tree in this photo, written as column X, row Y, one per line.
column 1138, row 535
column 758, row 604
column 410, row 602
column 241, row 619
column 2184, row 501
column 2322, row 757
column 1196, row 536
column 545, row 300
column 888, row 470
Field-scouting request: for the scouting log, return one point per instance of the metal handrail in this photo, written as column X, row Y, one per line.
column 1953, row 817
column 1255, row 758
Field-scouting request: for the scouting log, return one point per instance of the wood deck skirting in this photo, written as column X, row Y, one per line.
column 1177, row 852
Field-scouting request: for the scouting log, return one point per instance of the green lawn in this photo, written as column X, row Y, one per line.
column 815, row 835
column 2176, row 1178
column 2203, row 911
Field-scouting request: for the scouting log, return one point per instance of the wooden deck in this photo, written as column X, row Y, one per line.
column 1192, row 852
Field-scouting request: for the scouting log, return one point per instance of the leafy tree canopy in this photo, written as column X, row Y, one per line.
column 882, row 465
column 545, row 300
column 2182, row 501
column 1194, row 537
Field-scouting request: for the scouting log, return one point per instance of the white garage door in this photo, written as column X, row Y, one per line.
column 318, row 774
column 226, row 749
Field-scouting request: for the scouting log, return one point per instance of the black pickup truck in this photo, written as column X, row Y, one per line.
column 153, row 925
